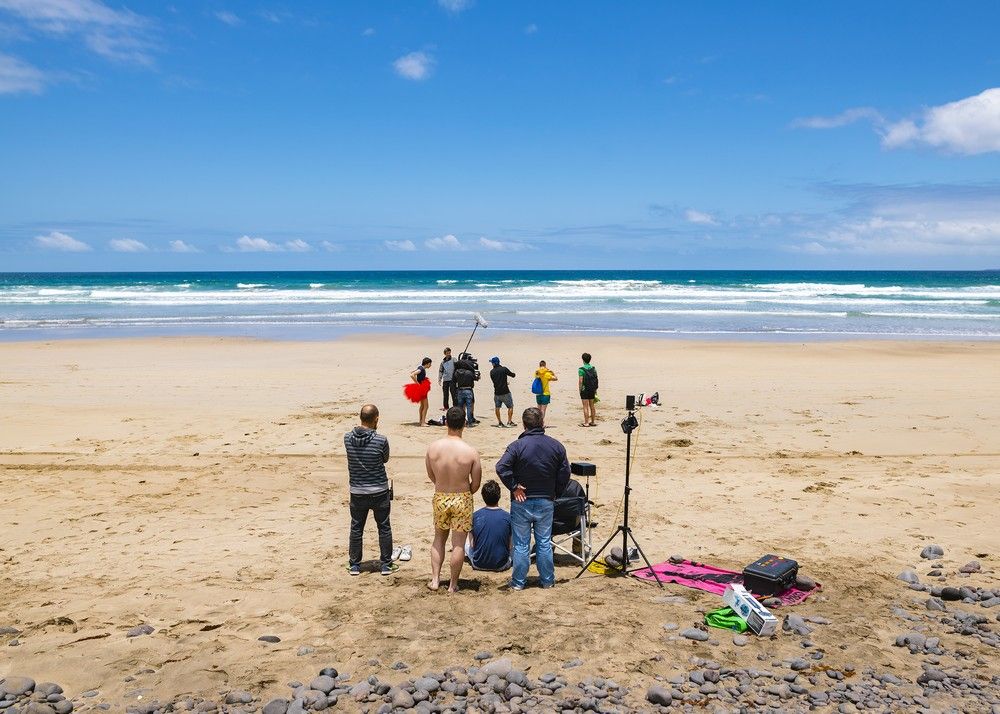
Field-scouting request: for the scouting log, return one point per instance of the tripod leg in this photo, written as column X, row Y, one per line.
column 601, row 550
column 644, row 558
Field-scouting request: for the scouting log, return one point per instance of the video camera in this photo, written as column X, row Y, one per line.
column 467, row 357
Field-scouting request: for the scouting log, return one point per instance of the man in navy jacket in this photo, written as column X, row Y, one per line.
column 536, row 470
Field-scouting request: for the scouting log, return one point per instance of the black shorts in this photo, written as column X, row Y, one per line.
column 586, row 395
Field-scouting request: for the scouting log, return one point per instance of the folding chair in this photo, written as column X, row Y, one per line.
column 571, row 522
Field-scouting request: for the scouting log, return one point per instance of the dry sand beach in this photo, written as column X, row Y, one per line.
column 198, row 485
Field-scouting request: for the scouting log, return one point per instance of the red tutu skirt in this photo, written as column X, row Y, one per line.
column 416, row 392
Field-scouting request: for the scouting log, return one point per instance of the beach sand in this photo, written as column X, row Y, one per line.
column 199, row 485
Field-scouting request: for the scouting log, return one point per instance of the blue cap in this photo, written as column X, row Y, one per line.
column 495, row 360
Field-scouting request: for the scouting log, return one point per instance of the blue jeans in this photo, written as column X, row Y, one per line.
column 532, row 514
column 465, row 398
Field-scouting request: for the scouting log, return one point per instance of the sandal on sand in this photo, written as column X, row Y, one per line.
column 405, row 553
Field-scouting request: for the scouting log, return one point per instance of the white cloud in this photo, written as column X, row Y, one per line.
column 530, row 29
column 246, row 244
column 497, row 245
column 249, row 244
column 404, row 245
column 967, row 126
column 179, row 246
column 448, row 242
column 17, row 76
column 699, row 217
column 330, row 247
column 127, row 245
column 846, row 117
column 60, row 241
column 455, row 5
column 232, row 19
column 119, row 35
column 368, row 32
column 297, row 246
column 416, row 66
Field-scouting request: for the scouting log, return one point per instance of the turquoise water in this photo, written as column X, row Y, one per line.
column 297, row 305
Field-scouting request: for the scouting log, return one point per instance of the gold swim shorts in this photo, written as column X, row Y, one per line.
column 453, row 511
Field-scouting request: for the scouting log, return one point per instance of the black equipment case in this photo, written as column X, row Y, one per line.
column 770, row 575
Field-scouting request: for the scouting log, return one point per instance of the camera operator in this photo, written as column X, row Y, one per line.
column 465, row 380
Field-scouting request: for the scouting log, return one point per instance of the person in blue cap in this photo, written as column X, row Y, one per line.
column 501, row 391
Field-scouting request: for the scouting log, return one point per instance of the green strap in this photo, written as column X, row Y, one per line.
column 725, row 619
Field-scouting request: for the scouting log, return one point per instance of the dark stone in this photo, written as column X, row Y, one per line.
column 659, row 695
column 973, row 567
column 276, row 706
column 239, row 697
column 932, row 552
column 908, row 576
column 140, row 630
column 936, row 604
column 269, row 638
column 17, row 685
column 483, row 655
column 950, row 594
column 329, row 672
column 693, row 633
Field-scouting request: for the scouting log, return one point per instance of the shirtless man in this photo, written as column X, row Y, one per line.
column 454, row 468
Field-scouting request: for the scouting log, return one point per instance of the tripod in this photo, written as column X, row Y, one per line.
column 629, row 424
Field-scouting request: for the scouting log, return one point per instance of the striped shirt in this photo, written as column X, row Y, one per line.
column 367, row 452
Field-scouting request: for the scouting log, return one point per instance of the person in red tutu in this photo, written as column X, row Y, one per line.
column 418, row 390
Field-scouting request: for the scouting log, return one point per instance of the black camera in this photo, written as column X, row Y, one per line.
column 467, row 357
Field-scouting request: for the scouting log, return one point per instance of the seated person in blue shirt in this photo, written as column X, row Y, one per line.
column 488, row 545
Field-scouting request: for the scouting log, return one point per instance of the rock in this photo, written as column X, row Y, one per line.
column 7, row 630
column 361, row 691
column 693, row 633
column 803, row 582
column 798, row 664
column 500, row 667
column 38, row 708
column 795, row 623
column 483, row 655
column 276, row 706
column 427, row 684
column 63, row 707
column 934, row 573
column 973, row 567
column 570, row 664
column 239, row 697
column 772, row 602
column 47, row 688
column 908, row 576
column 817, row 620
column 513, row 690
column 323, row 683
column 140, row 630
column 304, row 650
column 932, row 552
column 269, row 638
column 741, row 640
column 402, row 700
column 329, row 672
column 936, row 604
column 659, row 695
column 950, row 594
column 17, row 686
column 399, row 664
column 931, row 675
column 669, row 626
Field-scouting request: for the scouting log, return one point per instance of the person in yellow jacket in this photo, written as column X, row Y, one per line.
column 545, row 375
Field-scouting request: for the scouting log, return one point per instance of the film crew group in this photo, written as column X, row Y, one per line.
column 534, row 468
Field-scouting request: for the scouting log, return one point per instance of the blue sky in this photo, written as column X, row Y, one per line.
column 212, row 135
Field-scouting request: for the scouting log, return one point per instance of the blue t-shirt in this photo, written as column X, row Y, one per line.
column 490, row 538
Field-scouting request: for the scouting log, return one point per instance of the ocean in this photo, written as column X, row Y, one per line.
column 320, row 305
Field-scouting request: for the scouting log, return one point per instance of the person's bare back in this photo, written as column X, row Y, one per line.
column 455, row 470
column 453, row 466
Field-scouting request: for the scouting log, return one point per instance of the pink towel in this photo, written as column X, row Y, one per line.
column 711, row 579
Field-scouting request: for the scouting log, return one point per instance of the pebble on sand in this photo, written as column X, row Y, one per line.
column 693, row 633
column 269, row 638
column 932, row 552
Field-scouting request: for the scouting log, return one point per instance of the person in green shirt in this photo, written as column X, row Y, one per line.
column 587, row 380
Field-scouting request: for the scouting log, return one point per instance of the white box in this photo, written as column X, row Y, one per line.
column 758, row 618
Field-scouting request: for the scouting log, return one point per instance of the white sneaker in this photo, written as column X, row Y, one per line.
column 405, row 553
column 396, row 552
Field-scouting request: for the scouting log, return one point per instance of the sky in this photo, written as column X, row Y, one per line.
column 256, row 135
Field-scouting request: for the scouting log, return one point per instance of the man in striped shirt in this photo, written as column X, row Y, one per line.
column 367, row 454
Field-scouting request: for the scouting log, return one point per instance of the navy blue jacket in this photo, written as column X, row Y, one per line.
column 537, row 462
